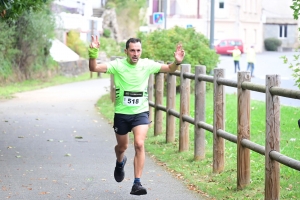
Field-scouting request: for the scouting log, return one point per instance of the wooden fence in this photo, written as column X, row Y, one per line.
column 271, row 150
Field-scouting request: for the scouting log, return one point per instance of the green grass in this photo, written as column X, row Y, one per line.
column 198, row 174
column 7, row 91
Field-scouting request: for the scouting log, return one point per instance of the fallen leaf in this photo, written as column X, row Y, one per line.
column 78, row 137
column 43, row 193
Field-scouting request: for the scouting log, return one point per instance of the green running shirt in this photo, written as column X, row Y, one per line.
column 131, row 82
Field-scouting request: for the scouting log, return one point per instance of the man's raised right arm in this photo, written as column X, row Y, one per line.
column 94, row 67
column 93, row 54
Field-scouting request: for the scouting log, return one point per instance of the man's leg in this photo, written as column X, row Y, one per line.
column 122, row 144
column 140, row 133
column 120, row 148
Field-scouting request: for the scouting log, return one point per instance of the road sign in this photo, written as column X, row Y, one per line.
column 189, row 26
column 158, row 18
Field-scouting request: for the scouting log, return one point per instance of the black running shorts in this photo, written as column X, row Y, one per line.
column 125, row 123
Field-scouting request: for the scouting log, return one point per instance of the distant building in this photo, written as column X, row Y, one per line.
column 278, row 22
column 249, row 20
column 76, row 15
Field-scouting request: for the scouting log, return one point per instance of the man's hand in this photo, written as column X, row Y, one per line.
column 179, row 54
column 95, row 42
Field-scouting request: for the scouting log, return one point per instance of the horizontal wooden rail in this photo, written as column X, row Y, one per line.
column 292, row 163
column 227, row 136
column 206, row 78
column 176, row 73
column 295, row 94
column 161, row 107
column 189, row 75
column 254, row 87
column 206, row 126
column 174, row 113
column 253, row 146
column 227, row 82
column 188, row 119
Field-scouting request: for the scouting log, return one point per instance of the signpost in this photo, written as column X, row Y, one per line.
column 158, row 18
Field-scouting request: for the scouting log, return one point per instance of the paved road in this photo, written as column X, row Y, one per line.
column 41, row 157
column 267, row 63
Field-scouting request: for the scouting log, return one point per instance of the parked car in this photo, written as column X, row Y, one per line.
column 225, row 47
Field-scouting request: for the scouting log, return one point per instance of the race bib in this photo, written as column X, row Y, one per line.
column 133, row 98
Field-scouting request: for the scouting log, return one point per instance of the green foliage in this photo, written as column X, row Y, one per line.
column 296, row 68
column 106, row 33
column 110, row 47
column 76, row 44
column 121, row 4
column 13, row 9
column 34, row 30
column 7, row 51
column 271, row 44
column 161, row 44
column 296, row 8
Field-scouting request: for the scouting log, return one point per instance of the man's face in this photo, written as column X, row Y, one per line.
column 134, row 52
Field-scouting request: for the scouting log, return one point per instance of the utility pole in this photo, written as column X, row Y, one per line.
column 165, row 13
column 212, row 23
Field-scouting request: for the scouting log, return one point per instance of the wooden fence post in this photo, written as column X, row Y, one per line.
column 184, row 108
column 219, row 122
column 150, row 96
column 159, row 95
column 272, row 167
column 171, row 105
column 243, row 131
column 200, row 93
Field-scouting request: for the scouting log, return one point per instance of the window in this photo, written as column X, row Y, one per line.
column 283, row 31
column 222, row 44
column 221, row 4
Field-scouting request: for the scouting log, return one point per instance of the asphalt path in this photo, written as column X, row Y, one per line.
column 267, row 63
column 55, row 145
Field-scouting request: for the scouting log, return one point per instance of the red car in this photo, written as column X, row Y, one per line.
column 225, row 47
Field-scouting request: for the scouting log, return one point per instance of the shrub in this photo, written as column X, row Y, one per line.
column 161, row 44
column 76, row 44
column 106, row 33
column 271, row 44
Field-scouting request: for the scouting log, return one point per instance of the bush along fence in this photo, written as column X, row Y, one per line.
column 271, row 150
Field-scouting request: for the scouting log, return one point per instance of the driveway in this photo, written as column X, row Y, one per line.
column 55, row 145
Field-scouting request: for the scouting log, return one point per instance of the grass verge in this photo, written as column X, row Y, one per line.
column 198, row 175
column 7, row 91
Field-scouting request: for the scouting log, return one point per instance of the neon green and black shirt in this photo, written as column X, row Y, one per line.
column 131, row 82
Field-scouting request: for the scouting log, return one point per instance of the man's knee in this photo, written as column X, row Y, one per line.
column 121, row 147
column 139, row 146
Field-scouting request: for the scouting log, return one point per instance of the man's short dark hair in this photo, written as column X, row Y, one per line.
column 132, row 40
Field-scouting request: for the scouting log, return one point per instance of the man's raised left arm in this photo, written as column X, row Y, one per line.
column 179, row 56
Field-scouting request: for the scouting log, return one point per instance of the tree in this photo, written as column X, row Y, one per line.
column 34, row 29
column 296, row 66
column 13, row 9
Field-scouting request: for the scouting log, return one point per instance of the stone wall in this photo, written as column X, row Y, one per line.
column 74, row 68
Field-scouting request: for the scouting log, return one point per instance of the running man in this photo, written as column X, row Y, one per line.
column 131, row 76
